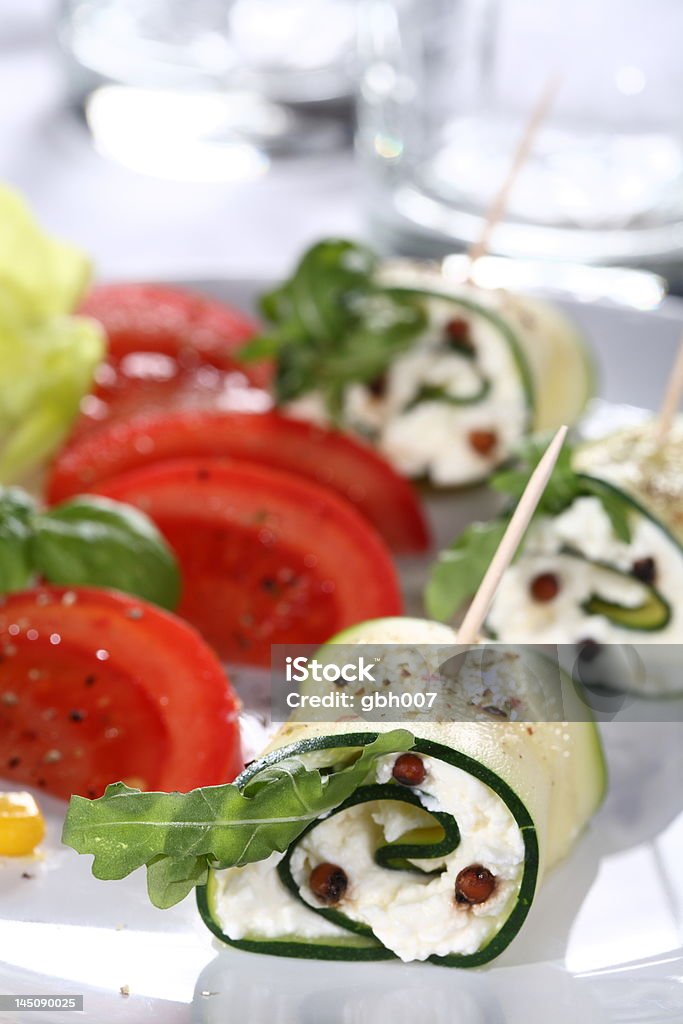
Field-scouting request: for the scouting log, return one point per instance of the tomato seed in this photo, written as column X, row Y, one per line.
column 645, row 570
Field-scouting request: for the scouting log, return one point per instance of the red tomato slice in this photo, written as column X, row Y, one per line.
column 327, row 457
column 168, row 349
column 266, row 557
column 168, row 320
column 98, row 687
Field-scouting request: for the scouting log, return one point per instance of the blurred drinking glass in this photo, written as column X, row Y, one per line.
column 209, row 89
column 446, row 87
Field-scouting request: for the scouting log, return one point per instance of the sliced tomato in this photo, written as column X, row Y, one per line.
column 168, row 348
column 266, row 557
column 344, row 465
column 170, row 321
column 98, row 687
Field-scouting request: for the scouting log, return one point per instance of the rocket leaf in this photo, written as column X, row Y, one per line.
column 180, row 835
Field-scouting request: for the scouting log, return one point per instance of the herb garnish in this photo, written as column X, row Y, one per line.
column 334, row 325
column 179, row 836
column 86, row 541
column 460, row 568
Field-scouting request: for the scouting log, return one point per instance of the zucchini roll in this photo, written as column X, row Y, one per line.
column 597, row 567
column 650, row 470
column 438, row 853
column 444, row 379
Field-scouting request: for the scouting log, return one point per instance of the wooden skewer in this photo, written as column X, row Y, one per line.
column 497, row 208
column 672, row 397
column 478, row 610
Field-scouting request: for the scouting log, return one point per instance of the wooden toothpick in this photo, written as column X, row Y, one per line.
column 672, row 397
column 497, row 208
column 478, row 610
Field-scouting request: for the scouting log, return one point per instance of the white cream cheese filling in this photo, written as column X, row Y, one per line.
column 585, row 527
column 430, row 436
column 414, row 915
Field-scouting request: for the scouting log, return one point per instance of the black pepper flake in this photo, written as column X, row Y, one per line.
column 41, row 782
column 645, row 570
column 378, row 386
column 26, row 874
column 269, row 584
column 588, row 649
column 14, row 762
column 89, row 680
column 77, row 716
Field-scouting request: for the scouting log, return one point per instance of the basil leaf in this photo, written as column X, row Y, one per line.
column 461, row 567
column 332, row 325
column 180, row 835
column 16, row 511
column 103, row 543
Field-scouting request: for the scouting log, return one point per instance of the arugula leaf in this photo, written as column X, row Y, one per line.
column 85, row 541
column 461, row 567
column 180, row 835
column 332, row 325
column 105, row 543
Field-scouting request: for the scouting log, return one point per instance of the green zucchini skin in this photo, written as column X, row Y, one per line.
column 650, row 617
column 328, row 951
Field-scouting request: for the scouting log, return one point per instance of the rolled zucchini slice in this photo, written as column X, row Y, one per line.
column 443, row 870
column 486, row 369
column 638, row 463
column 577, row 583
column 437, row 856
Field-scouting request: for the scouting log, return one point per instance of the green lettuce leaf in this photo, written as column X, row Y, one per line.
column 47, row 358
column 40, row 277
column 180, row 835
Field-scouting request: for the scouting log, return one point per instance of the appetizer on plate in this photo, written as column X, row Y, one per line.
column 443, row 379
column 596, row 567
column 646, row 467
column 361, row 840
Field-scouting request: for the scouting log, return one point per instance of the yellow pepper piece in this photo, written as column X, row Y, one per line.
column 22, row 826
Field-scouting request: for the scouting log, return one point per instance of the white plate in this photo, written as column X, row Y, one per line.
column 603, row 942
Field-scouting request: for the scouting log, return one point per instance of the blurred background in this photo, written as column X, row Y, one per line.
column 216, row 138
